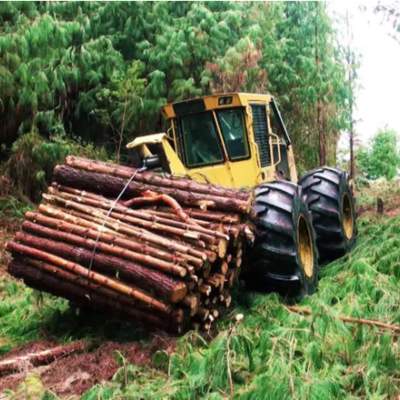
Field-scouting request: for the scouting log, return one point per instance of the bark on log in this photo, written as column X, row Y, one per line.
column 208, row 215
column 92, row 243
column 102, row 183
column 17, row 248
column 92, row 288
column 41, row 280
column 42, row 357
column 86, row 221
column 120, row 226
column 179, row 263
column 164, row 180
column 106, row 204
column 165, row 286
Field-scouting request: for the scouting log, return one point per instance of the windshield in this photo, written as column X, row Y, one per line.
column 200, row 140
column 233, row 130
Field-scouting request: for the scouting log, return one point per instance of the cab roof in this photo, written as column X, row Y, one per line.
column 214, row 101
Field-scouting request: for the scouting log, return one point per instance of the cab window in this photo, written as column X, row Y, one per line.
column 200, row 140
column 231, row 122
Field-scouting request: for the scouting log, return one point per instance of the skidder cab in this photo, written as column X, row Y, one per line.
column 239, row 140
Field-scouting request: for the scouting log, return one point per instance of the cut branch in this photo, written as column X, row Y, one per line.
column 351, row 320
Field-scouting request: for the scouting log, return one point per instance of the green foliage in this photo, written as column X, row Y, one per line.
column 10, row 207
column 101, row 71
column 383, row 157
column 120, row 104
column 238, row 70
column 33, row 159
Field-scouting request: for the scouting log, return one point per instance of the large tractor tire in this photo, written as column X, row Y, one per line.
column 330, row 200
column 284, row 256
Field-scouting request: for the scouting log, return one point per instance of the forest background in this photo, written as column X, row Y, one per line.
column 85, row 78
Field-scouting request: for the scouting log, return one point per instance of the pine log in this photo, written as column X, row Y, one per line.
column 41, row 280
column 208, row 215
column 203, row 313
column 170, row 289
column 151, row 302
column 83, row 241
column 205, row 289
column 86, row 221
column 227, row 228
column 142, row 223
column 159, row 180
column 101, row 183
column 179, row 263
column 192, row 301
column 42, row 357
column 106, row 204
column 139, row 233
column 177, row 315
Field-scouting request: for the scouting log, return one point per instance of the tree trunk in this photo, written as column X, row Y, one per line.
column 320, row 123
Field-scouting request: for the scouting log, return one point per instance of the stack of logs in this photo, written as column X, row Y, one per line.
column 161, row 250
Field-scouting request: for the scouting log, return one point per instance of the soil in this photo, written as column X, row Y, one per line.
column 76, row 373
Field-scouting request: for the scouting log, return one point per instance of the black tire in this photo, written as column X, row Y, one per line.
column 283, row 227
column 331, row 203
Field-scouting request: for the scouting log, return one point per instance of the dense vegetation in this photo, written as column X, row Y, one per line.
column 273, row 350
column 73, row 74
column 382, row 159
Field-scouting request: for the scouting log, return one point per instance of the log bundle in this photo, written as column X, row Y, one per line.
column 160, row 250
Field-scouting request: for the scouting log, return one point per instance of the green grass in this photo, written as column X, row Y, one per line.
column 272, row 353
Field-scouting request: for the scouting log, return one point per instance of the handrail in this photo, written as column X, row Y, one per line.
column 271, row 142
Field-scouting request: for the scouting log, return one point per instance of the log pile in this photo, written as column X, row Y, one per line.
column 160, row 250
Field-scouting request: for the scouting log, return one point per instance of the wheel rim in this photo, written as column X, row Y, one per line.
column 348, row 217
column 305, row 247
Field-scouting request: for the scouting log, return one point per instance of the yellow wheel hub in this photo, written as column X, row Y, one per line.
column 305, row 247
column 348, row 217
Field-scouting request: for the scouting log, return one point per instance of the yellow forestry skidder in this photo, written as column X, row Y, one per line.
column 163, row 241
column 239, row 140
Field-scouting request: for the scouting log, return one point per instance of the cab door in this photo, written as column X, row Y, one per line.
column 241, row 162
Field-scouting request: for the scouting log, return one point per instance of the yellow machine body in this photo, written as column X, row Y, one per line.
column 266, row 149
